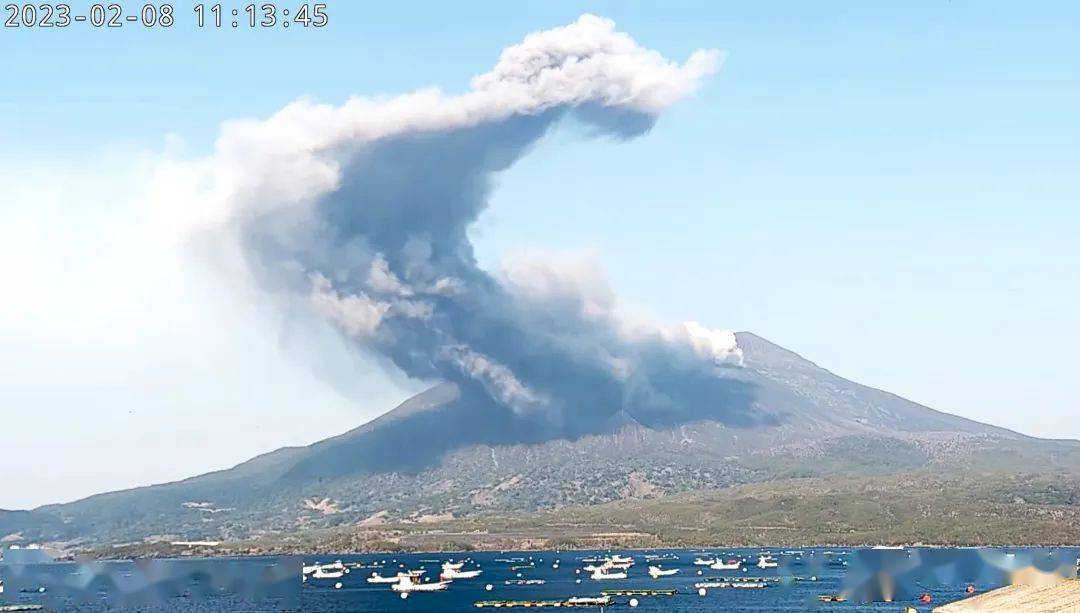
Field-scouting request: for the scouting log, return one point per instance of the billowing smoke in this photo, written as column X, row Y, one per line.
column 360, row 213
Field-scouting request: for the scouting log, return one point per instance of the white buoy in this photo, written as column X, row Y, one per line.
column 489, row 587
column 577, row 581
column 814, row 578
column 701, row 592
column 404, row 595
column 577, row 572
column 337, row 586
column 633, row 602
column 555, row 566
column 699, row 572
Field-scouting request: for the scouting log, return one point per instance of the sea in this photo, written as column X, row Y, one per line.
column 869, row 579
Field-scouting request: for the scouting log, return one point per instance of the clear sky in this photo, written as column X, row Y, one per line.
column 890, row 190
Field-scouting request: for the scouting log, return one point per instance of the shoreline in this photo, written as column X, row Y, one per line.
column 226, row 551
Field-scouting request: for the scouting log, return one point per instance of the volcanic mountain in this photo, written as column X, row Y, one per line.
column 446, row 452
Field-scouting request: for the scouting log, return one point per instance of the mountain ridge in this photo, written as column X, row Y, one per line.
column 443, row 453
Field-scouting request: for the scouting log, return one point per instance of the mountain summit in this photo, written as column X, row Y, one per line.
column 446, row 452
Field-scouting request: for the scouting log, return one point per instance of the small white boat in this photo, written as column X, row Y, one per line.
column 738, row 585
column 731, row 564
column 326, row 568
column 618, row 559
column 377, row 578
column 592, row 568
column 602, row 575
column 323, row 573
column 525, row 581
column 407, row 585
column 704, row 561
column 449, row 573
column 453, row 565
column 656, row 572
column 766, row 562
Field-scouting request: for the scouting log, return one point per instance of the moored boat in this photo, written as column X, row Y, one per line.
column 656, row 572
column 406, row 584
column 323, row 573
column 731, row 564
column 525, row 582
column 601, row 575
column 765, row 561
column 448, row 573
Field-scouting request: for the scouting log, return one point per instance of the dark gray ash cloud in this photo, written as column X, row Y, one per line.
column 361, row 213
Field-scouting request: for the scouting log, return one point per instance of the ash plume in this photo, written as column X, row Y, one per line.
column 360, row 213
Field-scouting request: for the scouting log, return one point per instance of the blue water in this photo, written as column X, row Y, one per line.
column 219, row 585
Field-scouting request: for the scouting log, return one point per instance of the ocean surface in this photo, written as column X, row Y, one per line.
column 871, row 579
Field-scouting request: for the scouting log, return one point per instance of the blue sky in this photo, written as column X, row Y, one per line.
column 890, row 191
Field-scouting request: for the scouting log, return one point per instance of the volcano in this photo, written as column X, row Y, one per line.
column 448, row 452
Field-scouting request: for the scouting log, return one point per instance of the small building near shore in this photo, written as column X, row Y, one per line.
column 1058, row 596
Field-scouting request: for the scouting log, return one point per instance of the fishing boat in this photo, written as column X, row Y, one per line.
column 656, row 572
column 592, row 568
column 333, row 567
column 704, row 561
column 323, row 573
column 406, row 584
column 524, row 582
column 449, row 572
column 452, row 565
column 765, row 561
column 601, row 575
column 731, row 564
column 743, row 585
column 618, row 559
column 377, row 578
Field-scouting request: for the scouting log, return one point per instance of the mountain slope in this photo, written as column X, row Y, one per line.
column 447, row 453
